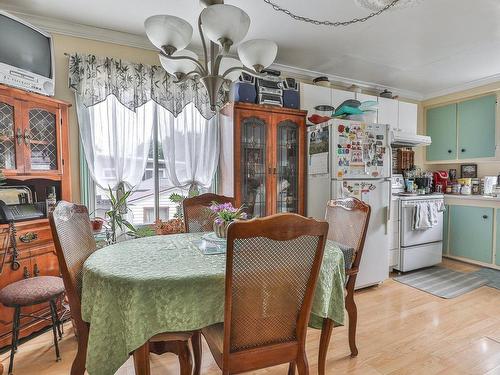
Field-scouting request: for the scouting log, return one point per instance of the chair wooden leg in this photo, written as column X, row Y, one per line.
column 302, row 365
column 197, row 354
column 185, row 360
column 326, row 334
column 352, row 311
column 141, row 360
column 291, row 368
column 78, row 366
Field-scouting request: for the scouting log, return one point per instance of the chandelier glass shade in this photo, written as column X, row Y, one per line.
column 225, row 26
column 223, row 22
column 182, row 66
column 257, row 53
column 164, row 30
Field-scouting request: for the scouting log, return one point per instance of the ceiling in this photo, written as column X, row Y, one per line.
column 436, row 47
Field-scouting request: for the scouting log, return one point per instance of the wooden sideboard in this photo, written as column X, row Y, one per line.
column 263, row 158
column 34, row 152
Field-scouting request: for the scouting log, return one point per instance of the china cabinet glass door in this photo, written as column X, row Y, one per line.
column 8, row 146
column 41, row 139
column 253, row 165
column 287, row 167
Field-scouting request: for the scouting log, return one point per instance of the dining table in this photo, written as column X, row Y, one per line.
column 135, row 289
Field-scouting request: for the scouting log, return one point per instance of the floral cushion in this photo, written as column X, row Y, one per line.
column 32, row 291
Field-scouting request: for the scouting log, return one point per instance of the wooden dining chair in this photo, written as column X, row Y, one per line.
column 197, row 217
column 348, row 219
column 272, row 266
column 74, row 243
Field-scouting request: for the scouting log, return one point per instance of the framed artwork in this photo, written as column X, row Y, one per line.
column 468, row 170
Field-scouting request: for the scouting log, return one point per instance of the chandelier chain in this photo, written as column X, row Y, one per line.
column 289, row 13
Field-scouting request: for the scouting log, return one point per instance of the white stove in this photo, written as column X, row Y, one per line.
column 413, row 249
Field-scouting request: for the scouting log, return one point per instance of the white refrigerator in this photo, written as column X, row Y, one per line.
column 351, row 158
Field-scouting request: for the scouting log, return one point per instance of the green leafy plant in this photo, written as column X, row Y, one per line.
column 115, row 216
column 178, row 198
column 144, row 231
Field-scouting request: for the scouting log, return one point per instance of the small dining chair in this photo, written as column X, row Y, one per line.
column 197, row 217
column 272, row 266
column 348, row 219
column 74, row 243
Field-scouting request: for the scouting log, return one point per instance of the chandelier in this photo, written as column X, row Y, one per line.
column 225, row 26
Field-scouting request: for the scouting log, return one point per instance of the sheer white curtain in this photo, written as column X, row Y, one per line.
column 116, row 140
column 190, row 146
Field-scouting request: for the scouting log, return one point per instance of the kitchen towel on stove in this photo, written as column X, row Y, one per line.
column 421, row 216
column 426, row 215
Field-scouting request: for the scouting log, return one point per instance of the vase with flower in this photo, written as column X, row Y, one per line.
column 224, row 214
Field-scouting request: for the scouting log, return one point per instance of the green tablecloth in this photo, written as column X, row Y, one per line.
column 136, row 289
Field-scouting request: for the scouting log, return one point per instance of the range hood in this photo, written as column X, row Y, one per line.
column 404, row 139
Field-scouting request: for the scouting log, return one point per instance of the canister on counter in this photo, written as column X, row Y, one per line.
column 455, row 188
column 476, row 186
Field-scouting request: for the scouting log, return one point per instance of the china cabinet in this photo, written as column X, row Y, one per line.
column 262, row 159
column 34, row 152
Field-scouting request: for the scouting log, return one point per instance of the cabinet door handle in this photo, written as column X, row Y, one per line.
column 28, row 237
column 274, row 170
column 463, row 150
column 449, row 151
column 36, row 270
column 19, row 136
column 26, row 272
column 27, row 138
column 485, row 216
column 269, row 170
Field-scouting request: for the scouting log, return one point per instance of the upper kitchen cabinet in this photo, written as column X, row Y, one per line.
column 407, row 117
column 476, row 127
column 339, row 96
column 388, row 112
column 442, row 128
column 365, row 97
column 462, row 131
column 312, row 95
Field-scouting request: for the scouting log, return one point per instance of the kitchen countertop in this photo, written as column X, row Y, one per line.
column 472, row 197
column 472, row 200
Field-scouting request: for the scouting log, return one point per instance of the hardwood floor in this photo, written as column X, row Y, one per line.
column 400, row 331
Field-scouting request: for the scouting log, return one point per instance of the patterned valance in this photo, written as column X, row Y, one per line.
column 94, row 78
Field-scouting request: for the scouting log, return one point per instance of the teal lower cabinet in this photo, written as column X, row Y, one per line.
column 471, row 233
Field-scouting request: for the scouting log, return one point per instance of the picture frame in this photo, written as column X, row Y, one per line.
column 468, row 170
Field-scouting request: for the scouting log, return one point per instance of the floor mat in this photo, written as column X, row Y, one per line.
column 491, row 275
column 442, row 282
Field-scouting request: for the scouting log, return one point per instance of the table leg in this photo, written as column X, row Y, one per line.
column 141, row 360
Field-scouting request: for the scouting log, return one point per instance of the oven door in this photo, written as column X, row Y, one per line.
column 410, row 237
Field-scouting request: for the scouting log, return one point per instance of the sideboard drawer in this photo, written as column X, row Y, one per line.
column 33, row 236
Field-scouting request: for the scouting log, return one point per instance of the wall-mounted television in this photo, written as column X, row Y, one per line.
column 26, row 56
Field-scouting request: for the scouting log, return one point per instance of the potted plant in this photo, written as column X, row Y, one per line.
column 224, row 215
column 171, row 226
column 175, row 225
column 115, row 216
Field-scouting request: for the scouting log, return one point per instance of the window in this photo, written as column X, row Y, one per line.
column 186, row 139
column 148, row 214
